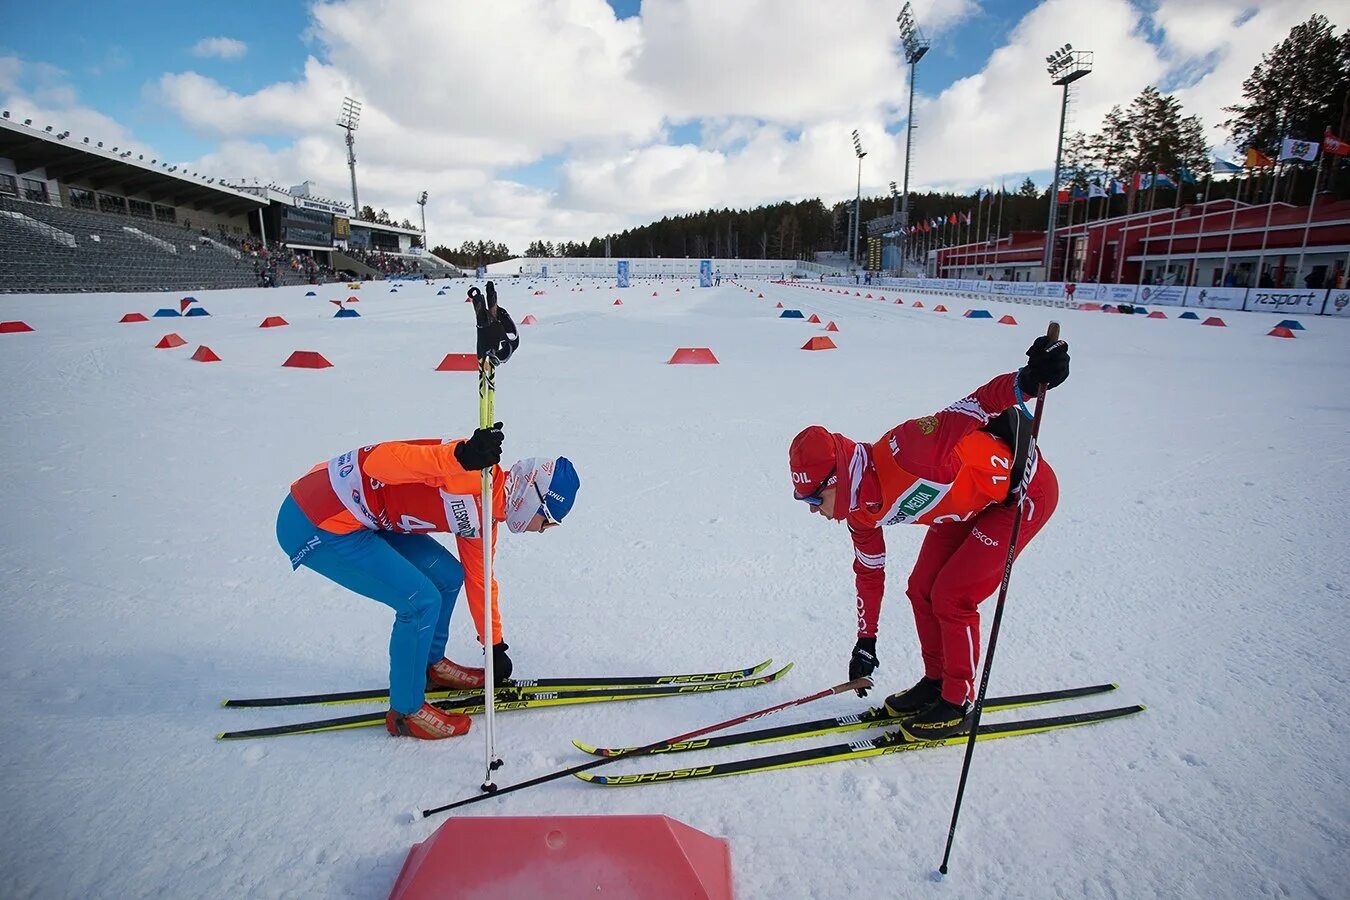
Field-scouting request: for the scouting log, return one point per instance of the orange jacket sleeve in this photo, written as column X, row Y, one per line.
column 471, row 557
column 401, row 462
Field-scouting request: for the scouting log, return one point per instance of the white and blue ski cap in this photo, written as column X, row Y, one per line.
column 557, row 482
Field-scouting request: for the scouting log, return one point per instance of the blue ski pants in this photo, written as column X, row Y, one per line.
column 413, row 574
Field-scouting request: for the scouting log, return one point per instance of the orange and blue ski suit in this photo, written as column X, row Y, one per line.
column 363, row 519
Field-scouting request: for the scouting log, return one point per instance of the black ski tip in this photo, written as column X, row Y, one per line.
column 488, row 787
column 942, row 870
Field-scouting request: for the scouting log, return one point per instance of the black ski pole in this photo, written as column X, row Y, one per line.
column 853, row 685
column 1053, row 333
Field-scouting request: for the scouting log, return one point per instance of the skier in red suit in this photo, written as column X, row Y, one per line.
column 960, row 472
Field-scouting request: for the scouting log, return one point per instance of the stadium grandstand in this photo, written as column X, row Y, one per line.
column 76, row 215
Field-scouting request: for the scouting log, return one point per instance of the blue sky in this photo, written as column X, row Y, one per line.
column 111, row 66
column 674, row 107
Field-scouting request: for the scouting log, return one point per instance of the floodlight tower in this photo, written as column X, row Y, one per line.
column 895, row 200
column 859, row 152
column 916, row 45
column 422, row 202
column 1065, row 66
column 349, row 119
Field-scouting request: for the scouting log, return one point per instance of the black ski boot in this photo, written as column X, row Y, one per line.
column 939, row 721
column 913, row 701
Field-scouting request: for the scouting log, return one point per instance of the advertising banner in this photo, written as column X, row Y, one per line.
column 481, row 271
column 1116, row 293
column 1161, row 295
column 1338, row 303
column 1000, row 287
column 1285, row 300
column 705, row 273
column 1050, row 289
column 1216, row 298
column 543, row 271
column 1024, row 288
column 622, row 275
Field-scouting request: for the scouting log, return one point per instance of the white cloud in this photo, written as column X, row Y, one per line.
column 219, row 48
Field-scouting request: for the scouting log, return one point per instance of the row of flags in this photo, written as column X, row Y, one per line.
column 1291, row 149
column 1297, row 149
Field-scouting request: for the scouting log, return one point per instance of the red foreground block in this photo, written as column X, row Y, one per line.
column 1007, row 320
column 819, row 342
column 1280, row 331
column 205, row 354
column 273, row 322
column 14, row 327
column 814, row 320
column 566, row 858
column 133, row 317
column 169, row 341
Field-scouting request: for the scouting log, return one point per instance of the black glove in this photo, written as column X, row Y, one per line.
column 501, row 663
column 1047, row 364
column 497, row 334
column 483, row 450
column 863, row 661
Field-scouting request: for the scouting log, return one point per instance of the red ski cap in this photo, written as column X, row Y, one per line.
column 813, row 459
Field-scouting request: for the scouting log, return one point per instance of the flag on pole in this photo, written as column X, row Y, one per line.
column 1096, row 190
column 981, row 194
column 1078, row 193
column 951, row 219
column 965, row 218
column 1186, row 175
column 1117, row 187
column 1334, row 146
column 1258, row 160
column 1224, row 167
column 1137, row 183
column 1296, row 149
column 1062, row 196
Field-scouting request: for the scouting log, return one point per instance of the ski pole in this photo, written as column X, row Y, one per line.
column 487, row 394
column 655, row 746
column 1053, row 334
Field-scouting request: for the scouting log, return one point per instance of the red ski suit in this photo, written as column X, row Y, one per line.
column 942, row 471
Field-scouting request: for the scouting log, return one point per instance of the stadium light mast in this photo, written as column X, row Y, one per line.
column 895, row 200
column 857, row 201
column 349, row 120
column 1065, row 66
column 422, row 202
column 916, row 45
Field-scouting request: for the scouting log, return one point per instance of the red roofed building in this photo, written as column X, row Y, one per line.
column 1202, row 244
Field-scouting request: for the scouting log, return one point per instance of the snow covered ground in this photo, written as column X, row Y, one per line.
column 1198, row 558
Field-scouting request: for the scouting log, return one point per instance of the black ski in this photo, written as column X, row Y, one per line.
column 890, row 742
column 877, row 717
column 529, row 685
column 510, row 700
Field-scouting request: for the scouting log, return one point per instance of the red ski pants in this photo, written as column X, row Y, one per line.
column 959, row 565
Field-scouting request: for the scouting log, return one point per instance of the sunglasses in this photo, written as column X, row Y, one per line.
column 814, row 499
column 543, row 506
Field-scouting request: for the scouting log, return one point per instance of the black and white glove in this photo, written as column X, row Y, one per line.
column 501, row 664
column 863, row 661
column 497, row 334
column 1047, row 364
column 483, row 450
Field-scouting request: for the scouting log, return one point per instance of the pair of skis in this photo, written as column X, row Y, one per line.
column 516, row 695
